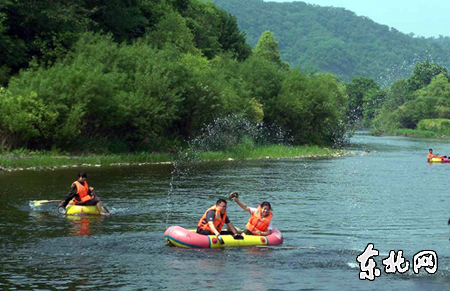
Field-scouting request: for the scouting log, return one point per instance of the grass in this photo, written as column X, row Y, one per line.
column 273, row 151
column 12, row 161
column 412, row 133
column 31, row 160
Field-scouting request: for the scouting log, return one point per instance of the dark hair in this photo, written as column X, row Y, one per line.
column 430, row 149
column 221, row 200
column 265, row 203
column 82, row 175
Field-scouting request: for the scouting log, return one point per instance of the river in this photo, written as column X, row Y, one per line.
column 328, row 210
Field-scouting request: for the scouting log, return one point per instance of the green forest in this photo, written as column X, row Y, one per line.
column 336, row 40
column 77, row 79
column 176, row 72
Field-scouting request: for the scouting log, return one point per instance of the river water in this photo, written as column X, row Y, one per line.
column 328, row 210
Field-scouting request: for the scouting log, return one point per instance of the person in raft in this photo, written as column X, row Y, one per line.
column 431, row 155
column 260, row 222
column 214, row 219
column 82, row 194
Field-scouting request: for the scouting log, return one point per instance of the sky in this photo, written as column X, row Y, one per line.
column 422, row 17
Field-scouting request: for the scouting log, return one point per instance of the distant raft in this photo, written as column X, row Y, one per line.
column 72, row 209
column 439, row 160
column 184, row 238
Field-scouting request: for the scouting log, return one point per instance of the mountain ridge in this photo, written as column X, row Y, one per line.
column 336, row 40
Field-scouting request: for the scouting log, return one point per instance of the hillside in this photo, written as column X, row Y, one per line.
column 336, row 40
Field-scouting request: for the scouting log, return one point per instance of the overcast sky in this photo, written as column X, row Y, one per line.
column 421, row 17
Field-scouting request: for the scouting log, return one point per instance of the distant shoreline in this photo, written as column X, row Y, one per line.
column 49, row 161
column 410, row 133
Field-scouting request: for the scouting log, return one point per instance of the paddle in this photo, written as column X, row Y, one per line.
column 37, row 203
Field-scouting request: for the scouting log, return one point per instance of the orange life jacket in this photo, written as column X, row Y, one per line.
column 219, row 221
column 431, row 156
column 257, row 222
column 82, row 191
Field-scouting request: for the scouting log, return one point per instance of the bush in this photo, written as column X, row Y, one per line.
column 441, row 126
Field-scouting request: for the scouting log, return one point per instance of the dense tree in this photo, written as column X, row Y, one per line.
column 231, row 38
column 38, row 29
column 372, row 101
column 357, row 90
column 152, row 81
column 267, row 48
column 404, row 108
column 309, row 106
column 46, row 30
column 262, row 79
column 422, row 75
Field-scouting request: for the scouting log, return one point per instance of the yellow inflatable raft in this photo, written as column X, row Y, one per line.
column 439, row 160
column 72, row 209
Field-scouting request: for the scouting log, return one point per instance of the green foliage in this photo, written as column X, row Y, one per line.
column 404, row 109
column 136, row 17
column 136, row 93
column 105, row 90
column 153, row 80
column 385, row 117
column 42, row 29
column 46, row 30
column 267, row 48
column 440, row 126
column 231, row 38
column 357, row 90
column 215, row 31
column 423, row 74
column 438, row 87
column 172, row 29
column 23, row 118
column 372, row 102
column 409, row 114
column 262, row 80
column 309, row 109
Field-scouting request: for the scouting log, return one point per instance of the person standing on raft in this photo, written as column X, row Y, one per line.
column 260, row 222
column 214, row 219
column 82, row 194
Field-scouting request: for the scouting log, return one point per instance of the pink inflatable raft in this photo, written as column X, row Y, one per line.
column 181, row 237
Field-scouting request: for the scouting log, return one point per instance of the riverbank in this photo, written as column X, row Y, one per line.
column 410, row 133
column 27, row 160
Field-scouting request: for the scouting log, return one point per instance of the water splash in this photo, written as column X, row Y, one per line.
column 225, row 133
column 184, row 164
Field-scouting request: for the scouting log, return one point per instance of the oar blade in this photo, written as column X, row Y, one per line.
column 37, row 203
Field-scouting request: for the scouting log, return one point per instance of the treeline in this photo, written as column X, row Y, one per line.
column 336, row 40
column 419, row 102
column 117, row 76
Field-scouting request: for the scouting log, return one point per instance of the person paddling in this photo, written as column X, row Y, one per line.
column 82, row 194
column 213, row 220
column 431, row 156
column 260, row 222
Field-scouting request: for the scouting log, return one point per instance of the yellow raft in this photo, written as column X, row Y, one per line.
column 439, row 160
column 72, row 209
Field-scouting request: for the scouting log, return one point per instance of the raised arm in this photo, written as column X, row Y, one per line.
column 234, row 196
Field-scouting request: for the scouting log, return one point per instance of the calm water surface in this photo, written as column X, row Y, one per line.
column 327, row 209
